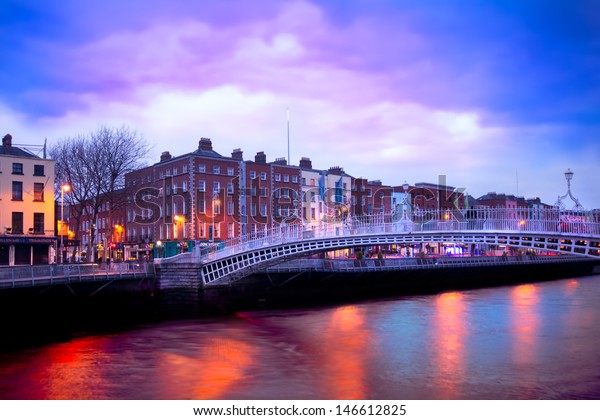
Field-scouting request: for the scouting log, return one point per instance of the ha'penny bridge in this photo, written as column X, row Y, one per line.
column 547, row 231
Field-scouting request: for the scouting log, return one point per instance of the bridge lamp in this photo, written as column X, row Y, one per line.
column 63, row 189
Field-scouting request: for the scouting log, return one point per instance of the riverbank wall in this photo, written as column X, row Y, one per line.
column 319, row 282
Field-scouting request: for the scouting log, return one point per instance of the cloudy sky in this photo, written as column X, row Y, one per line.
column 497, row 96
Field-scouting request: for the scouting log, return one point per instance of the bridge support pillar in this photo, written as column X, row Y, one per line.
column 179, row 285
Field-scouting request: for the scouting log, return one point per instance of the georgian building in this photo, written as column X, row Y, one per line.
column 208, row 198
column 27, row 234
column 326, row 196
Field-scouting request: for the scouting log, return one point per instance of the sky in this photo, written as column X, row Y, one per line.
column 499, row 96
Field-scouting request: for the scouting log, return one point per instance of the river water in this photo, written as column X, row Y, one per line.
column 531, row 341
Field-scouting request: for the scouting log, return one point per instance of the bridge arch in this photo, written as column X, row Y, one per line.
column 221, row 268
column 500, row 227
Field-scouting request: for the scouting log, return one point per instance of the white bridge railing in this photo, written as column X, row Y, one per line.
column 510, row 220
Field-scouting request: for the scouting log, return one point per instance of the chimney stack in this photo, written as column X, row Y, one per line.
column 7, row 143
column 205, row 144
column 260, row 157
column 237, row 154
column 165, row 156
column 305, row 163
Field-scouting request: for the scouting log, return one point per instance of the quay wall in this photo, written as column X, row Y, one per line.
column 310, row 287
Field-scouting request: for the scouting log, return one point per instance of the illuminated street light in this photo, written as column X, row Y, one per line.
column 215, row 202
column 63, row 189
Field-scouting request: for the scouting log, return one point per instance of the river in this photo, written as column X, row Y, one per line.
column 530, row 341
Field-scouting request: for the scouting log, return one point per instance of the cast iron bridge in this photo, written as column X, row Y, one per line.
column 540, row 230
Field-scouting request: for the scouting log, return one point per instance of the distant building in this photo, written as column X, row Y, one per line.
column 27, row 234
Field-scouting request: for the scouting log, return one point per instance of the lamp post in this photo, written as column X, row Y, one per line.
column 64, row 188
column 215, row 203
column 404, row 203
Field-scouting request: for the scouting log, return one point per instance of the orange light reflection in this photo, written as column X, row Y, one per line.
column 347, row 342
column 221, row 365
column 525, row 324
column 450, row 333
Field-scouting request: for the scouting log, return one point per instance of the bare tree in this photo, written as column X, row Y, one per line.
column 95, row 166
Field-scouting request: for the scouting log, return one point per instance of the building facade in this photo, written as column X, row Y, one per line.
column 206, row 198
column 27, row 209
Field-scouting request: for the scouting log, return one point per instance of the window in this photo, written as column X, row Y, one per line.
column 184, row 186
column 17, row 222
column 38, row 222
column 38, row 170
column 370, row 192
column 253, row 209
column 303, row 181
column 252, row 174
column 230, row 208
column 17, row 191
column 216, row 186
column 286, row 178
column 313, row 215
column 263, row 176
column 230, row 171
column 230, row 231
column 230, row 188
column 168, row 172
column 277, row 177
column 17, row 168
column 201, row 206
column 216, row 169
column 263, row 210
column 201, row 186
column 174, row 171
column 263, row 191
column 253, row 191
column 312, row 182
column 38, row 191
column 295, row 179
column 168, row 190
column 202, row 168
column 185, row 169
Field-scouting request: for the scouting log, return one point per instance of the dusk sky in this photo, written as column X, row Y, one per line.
column 497, row 96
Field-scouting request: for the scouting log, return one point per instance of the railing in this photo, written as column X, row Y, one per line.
column 509, row 220
column 40, row 275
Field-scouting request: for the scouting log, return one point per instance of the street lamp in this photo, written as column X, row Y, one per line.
column 63, row 189
column 215, row 202
column 404, row 200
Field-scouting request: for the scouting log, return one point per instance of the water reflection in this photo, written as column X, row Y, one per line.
column 219, row 365
column 450, row 333
column 529, row 341
column 525, row 322
column 346, row 345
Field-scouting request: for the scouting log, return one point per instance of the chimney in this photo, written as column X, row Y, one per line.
column 336, row 170
column 165, row 156
column 205, row 144
column 305, row 163
column 260, row 157
column 7, row 143
column 237, row 154
column 280, row 161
